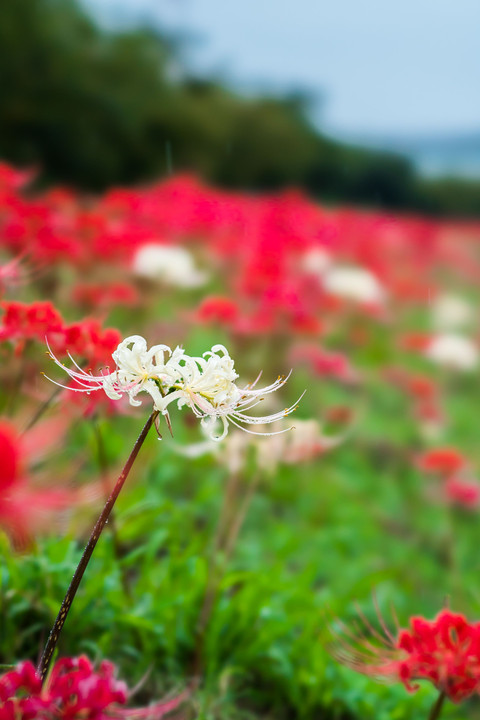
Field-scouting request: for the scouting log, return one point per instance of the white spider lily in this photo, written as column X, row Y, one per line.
column 170, row 264
column 307, row 442
column 353, row 283
column 138, row 369
column 455, row 351
column 451, row 312
column 204, row 384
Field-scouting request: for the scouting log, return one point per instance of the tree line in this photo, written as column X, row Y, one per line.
column 95, row 108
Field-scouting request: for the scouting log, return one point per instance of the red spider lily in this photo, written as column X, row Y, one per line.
column 11, row 274
column 424, row 395
column 416, row 342
column 73, row 691
column 27, row 508
column 256, row 245
column 87, row 339
column 445, row 651
column 465, row 493
column 444, row 461
column 90, row 405
column 339, row 415
column 325, row 363
column 418, row 387
column 104, row 296
column 14, row 179
column 40, row 320
column 421, row 387
column 22, row 321
column 430, row 414
column 217, row 309
column 24, row 508
column 10, row 454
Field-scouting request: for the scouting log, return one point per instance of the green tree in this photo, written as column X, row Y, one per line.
column 94, row 108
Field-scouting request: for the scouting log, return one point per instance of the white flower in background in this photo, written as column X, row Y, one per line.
column 431, row 430
column 316, row 260
column 169, row 264
column 454, row 351
column 204, row 384
column 353, row 283
column 307, row 442
column 304, row 444
column 450, row 312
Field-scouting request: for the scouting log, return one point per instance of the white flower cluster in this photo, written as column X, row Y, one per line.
column 308, row 442
column 454, row 351
column 170, row 264
column 350, row 282
column 204, row 384
column 354, row 283
column 451, row 312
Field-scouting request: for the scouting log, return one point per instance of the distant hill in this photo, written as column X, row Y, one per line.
column 455, row 154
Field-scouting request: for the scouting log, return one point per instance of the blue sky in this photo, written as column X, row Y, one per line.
column 386, row 67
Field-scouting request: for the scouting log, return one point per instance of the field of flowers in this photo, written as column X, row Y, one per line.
column 279, row 538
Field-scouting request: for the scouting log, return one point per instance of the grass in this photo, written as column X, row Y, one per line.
column 319, row 538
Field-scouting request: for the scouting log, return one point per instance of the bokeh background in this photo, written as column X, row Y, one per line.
column 300, row 182
column 369, row 104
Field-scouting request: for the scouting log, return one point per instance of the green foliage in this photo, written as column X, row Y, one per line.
column 318, row 538
column 73, row 99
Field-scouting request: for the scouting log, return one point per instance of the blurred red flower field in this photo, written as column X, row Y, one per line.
column 222, row 557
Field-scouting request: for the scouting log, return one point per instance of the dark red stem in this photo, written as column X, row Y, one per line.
column 437, row 707
column 87, row 553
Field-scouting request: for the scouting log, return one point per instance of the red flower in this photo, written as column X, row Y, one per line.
column 22, row 321
column 444, row 461
column 74, row 691
column 9, row 452
column 325, row 363
column 429, row 412
column 445, row 651
column 41, row 320
column 104, row 296
column 218, row 309
column 88, row 340
column 415, row 342
column 24, row 508
column 12, row 273
column 421, row 387
column 339, row 415
column 463, row 492
column 13, row 179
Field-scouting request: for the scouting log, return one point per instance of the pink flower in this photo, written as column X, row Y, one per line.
column 465, row 493
column 325, row 363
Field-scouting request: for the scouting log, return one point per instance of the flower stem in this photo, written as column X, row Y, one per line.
column 87, row 553
column 437, row 707
column 42, row 409
column 103, row 465
column 230, row 523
